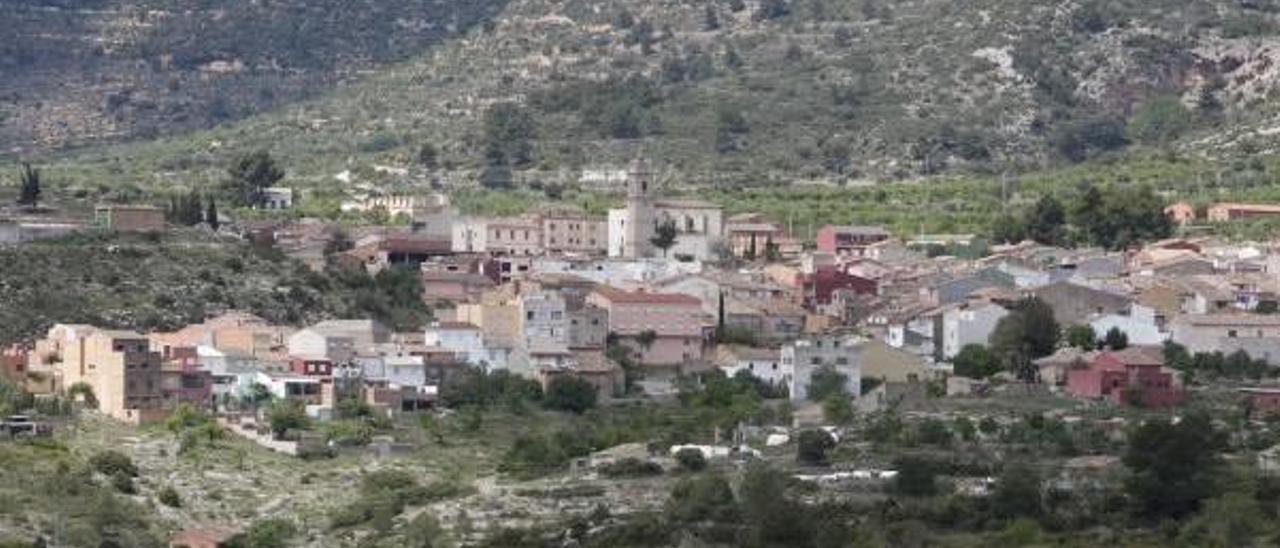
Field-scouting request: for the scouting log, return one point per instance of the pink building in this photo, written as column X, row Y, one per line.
column 849, row 240
column 662, row 329
column 183, row 380
column 1133, row 376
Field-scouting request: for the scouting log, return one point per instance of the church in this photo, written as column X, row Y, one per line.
column 699, row 224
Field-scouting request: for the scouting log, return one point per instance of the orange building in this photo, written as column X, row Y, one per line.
column 1233, row 212
column 1180, row 213
column 122, row 371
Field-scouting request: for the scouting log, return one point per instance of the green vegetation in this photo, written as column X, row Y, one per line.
column 1028, row 332
column 164, row 283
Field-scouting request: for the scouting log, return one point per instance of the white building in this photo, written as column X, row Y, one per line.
column 311, row 343
column 762, row 363
column 277, row 198
column 967, row 324
column 699, row 225
column 802, row 357
column 463, row 338
column 469, row 235
column 1139, row 325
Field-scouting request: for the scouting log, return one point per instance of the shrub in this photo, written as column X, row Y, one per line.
column 916, row 477
column 691, row 459
column 123, row 483
column 169, row 497
column 813, row 446
column 631, row 467
column 269, row 533
column 111, row 462
column 570, row 394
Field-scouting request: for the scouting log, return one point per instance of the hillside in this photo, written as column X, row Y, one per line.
column 148, row 283
column 732, row 93
column 81, row 72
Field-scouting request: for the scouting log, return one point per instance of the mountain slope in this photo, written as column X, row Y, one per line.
column 75, row 72
column 732, row 93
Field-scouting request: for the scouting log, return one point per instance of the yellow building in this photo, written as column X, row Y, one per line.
column 122, row 371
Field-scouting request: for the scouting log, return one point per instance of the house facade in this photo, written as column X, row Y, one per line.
column 663, row 329
column 804, row 357
column 1133, row 376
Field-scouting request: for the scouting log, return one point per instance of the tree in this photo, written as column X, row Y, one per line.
column 29, row 195
column 691, row 460
column 84, row 392
column 508, row 133
column 1173, row 466
column 706, row 497
column 169, row 497
column 1159, row 120
column 250, row 174
column 428, row 156
column 710, row 20
column 812, row 447
column 976, row 362
column 1017, row 492
column 772, row 9
column 1008, row 230
column 267, row 533
column 1116, row 339
column 497, row 177
column 1120, row 217
column 837, row 409
column 285, row 416
column 916, row 477
column 211, row 215
column 1082, row 337
column 570, row 394
column 827, row 382
column 1028, row 332
column 1046, row 221
column 664, row 236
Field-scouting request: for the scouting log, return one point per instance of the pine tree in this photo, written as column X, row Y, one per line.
column 30, row 195
column 211, row 215
column 193, row 213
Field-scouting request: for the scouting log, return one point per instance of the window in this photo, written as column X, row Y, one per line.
column 528, row 315
column 815, row 361
column 842, row 361
column 1231, row 333
column 775, row 367
column 556, row 314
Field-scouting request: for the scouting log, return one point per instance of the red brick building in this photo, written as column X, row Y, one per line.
column 1133, row 376
column 1260, row 402
column 817, row 288
column 849, row 240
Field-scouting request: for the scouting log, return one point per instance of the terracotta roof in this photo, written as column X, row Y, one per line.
column 643, row 297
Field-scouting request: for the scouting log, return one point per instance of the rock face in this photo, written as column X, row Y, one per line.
column 78, row 72
column 722, row 90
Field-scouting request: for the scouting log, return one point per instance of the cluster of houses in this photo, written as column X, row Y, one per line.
column 567, row 293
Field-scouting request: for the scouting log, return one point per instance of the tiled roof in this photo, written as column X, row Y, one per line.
column 643, row 297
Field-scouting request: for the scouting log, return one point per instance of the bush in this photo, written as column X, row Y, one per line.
column 169, row 497
column 570, row 394
column 916, row 477
column 123, row 483
column 813, row 446
column 269, row 533
column 691, row 459
column 631, row 467
column 111, row 463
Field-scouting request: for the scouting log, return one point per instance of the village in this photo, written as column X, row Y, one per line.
column 628, row 309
